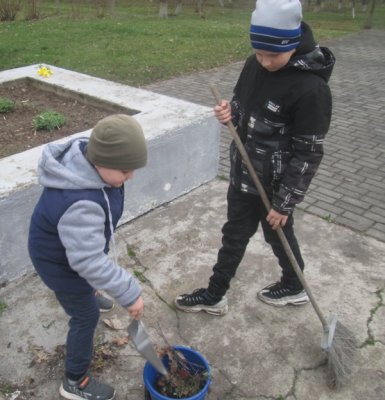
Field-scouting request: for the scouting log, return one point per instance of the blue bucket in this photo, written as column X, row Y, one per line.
column 150, row 374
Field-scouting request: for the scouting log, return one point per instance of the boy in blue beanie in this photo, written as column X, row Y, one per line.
column 282, row 109
column 70, row 231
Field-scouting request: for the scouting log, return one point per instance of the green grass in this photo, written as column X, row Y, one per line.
column 3, row 307
column 130, row 252
column 140, row 276
column 136, row 47
column 6, row 388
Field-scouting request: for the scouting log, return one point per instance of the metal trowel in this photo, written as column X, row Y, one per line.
column 144, row 345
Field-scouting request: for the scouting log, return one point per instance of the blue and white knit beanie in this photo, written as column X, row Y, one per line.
column 276, row 25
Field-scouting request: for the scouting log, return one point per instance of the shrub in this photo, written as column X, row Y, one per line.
column 48, row 120
column 6, row 105
column 9, row 9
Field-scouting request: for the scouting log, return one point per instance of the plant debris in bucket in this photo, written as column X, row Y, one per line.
column 185, row 378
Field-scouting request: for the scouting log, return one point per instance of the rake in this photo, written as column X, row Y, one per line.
column 337, row 341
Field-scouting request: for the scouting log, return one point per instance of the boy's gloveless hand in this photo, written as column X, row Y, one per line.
column 275, row 219
column 222, row 112
column 136, row 309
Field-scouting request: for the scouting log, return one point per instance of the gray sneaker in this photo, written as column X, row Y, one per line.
column 104, row 303
column 201, row 300
column 86, row 387
column 279, row 295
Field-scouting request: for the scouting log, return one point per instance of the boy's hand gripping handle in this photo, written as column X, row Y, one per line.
column 266, row 202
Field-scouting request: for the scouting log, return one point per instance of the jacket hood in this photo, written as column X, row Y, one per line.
column 311, row 57
column 64, row 166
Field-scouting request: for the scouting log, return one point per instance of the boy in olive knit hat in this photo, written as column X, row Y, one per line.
column 70, row 231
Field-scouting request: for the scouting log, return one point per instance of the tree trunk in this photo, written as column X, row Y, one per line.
column 74, row 10
column 369, row 21
column 199, row 7
column 319, row 4
column 353, row 9
column 178, row 8
column 32, row 11
column 112, row 6
column 57, row 3
column 163, row 13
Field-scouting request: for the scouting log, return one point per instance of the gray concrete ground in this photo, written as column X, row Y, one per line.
column 256, row 351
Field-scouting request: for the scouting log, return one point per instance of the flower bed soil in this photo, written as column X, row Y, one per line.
column 16, row 132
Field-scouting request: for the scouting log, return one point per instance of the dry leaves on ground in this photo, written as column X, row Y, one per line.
column 114, row 323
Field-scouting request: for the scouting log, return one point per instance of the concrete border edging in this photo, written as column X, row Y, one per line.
column 183, row 145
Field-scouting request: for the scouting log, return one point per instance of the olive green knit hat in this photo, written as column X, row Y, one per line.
column 117, row 142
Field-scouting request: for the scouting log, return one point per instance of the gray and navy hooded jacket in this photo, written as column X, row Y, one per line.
column 282, row 118
column 73, row 223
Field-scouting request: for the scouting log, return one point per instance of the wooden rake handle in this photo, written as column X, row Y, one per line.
column 266, row 202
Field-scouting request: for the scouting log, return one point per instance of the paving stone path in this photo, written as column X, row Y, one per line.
column 349, row 188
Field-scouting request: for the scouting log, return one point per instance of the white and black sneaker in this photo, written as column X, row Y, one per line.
column 279, row 295
column 86, row 387
column 201, row 300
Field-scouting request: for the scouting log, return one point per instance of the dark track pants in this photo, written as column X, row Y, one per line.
column 244, row 213
column 84, row 315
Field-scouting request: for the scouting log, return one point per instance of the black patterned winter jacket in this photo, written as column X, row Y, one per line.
column 282, row 118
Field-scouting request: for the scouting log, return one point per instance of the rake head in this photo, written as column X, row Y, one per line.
column 341, row 347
